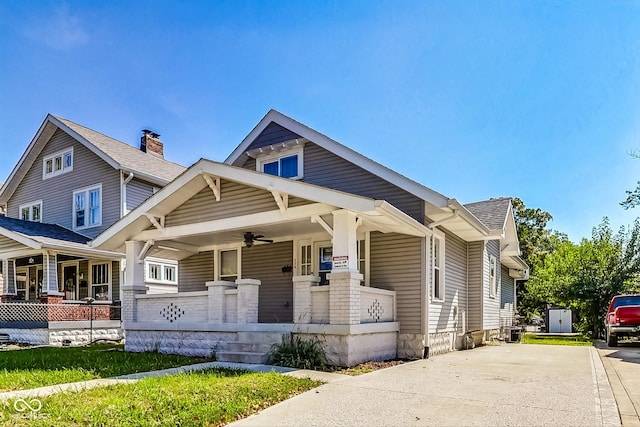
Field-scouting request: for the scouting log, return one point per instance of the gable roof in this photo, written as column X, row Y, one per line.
column 116, row 153
column 492, row 212
column 38, row 229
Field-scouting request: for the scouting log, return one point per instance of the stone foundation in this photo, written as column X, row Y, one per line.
column 441, row 343
column 56, row 337
column 187, row 343
column 350, row 350
column 410, row 346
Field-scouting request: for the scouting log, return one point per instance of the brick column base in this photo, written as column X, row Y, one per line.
column 344, row 297
column 302, row 303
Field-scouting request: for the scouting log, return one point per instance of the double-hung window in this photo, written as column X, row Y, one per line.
column 100, row 280
column 437, row 258
column 229, row 262
column 287, row 164
column 58, row 163
column 87, row 207
column 31, row 211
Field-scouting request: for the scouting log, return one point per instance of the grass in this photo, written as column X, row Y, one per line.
column 211, row 398
column 556, row 340
column 37, row 367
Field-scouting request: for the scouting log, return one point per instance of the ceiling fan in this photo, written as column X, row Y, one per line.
column 250, row 238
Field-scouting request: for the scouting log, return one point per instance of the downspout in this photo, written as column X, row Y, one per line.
column 123, row 192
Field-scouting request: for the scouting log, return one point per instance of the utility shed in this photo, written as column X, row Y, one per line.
column 559, row 320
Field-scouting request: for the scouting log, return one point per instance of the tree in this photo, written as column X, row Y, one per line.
column 633, row 197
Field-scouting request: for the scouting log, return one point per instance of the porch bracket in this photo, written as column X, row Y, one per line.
column 318, row 219
column 157, row 222
column 282, row 200
column 214, row 185
column 145, row 249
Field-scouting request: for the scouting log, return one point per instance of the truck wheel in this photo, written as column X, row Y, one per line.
column 612, row 339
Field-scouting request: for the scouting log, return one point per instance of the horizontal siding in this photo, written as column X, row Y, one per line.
column 264, row 263
column 507, row 288
column 137, row 192
column 57, row 193
column 115, row 280
column 475, row 254
column 235, row 200
column 447, row 315
column 321, row 167
column 491, row 305
column 272, row 134
column 7, row 244
column 195, row 271
column 396, row 265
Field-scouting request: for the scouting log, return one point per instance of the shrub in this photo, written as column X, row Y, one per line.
column 298, row 353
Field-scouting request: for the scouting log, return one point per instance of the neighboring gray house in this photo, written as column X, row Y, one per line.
column 259, row 237
column 76, row 179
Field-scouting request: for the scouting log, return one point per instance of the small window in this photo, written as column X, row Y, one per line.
column 162, row 272
column 57, row 164
column 100, row 281
column 287, row 164
column 305, row 260
column 87, row 211
column 438, row 268
column 229, row 265
column 31, row 211
column 493, row 282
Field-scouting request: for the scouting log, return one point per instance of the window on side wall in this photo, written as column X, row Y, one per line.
column 87, row 207
column 493, row 282
column 286, row 164
column 161, row 272
column 31, row 211
column 57, row 164
column 437, row 259
column 229, row 265
column 100, row 280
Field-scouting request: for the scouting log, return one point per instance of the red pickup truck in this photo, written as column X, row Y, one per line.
column 623, row 318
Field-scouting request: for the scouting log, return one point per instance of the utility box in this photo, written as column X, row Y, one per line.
column 559, row 320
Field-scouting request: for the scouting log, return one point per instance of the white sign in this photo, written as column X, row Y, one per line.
column 340, row 262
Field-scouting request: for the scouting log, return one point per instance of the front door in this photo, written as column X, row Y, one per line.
column 70, row 281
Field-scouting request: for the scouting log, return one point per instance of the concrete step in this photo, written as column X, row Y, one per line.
column 241, row 357
column 260, row 337
column 250, row 347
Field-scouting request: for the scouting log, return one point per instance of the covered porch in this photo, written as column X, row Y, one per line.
column 259, row 256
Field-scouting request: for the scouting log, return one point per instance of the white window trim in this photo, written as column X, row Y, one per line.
column 52, row 157
column 493, row 280
column 30, row 206
column 86, row 190
column 217, row 263
column 162, row 263
column 440, row 236
column 269, row 158
column 109, row 283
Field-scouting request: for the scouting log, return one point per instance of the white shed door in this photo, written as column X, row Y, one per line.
column 559, row 321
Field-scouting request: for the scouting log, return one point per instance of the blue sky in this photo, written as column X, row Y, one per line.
column 475, row 99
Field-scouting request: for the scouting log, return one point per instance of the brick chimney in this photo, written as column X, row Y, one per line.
column 150, row 144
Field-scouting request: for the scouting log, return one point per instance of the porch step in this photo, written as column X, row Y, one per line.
column 241, row 357
column 248, row 347
column 260, row 337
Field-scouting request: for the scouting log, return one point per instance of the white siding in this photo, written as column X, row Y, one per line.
column 475, row 256
column 491, row 304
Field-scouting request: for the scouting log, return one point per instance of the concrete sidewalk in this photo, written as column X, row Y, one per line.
column 510, row 384
column 623, row 369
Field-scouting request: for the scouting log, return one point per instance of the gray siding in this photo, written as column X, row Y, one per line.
column 137, row 192
column 475, row 263
column 265, row 262
column 57, row 193
column 235, row 199
column 273, row 134
column 491, row 305
column 115, row 280
column 195, row 271
column 507, row 288
column 396, row 264
column 442, row 315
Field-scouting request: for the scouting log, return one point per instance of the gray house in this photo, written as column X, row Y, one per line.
column 70, row 185
column 297, row 233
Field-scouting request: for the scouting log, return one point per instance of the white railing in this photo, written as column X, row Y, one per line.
column 174, row 307
column 377, row 305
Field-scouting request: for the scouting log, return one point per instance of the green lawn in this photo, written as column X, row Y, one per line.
column 37, row 367
column 556, row 340
column 210, row 398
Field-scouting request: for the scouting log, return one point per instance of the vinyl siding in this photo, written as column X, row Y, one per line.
column 195, row 271
column 475, row 263
column 115, row 280
column 441, row 314
column 57, row 193
column 507, row 287
column 491, row 305
column 235, row 200
column 137, row 192
column 396, row 264
column 264, row 263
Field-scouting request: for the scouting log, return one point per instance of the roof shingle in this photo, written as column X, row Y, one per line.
column 492, row 212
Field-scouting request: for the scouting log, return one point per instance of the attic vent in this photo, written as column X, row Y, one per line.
column 150, row 144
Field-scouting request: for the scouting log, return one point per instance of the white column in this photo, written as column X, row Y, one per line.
column 345, row 241
column 344, row 280
column 7, row 280
column 218, row 300
column 248, row 300
column 302, row 304
column 133, row 281
column 50, row 272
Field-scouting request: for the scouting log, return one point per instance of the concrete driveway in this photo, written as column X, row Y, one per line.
column 509, row 384
column 622, row 364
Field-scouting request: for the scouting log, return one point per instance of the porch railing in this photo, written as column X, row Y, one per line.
column 30, row 315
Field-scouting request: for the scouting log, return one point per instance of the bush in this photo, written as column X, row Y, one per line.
column 298, row 353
